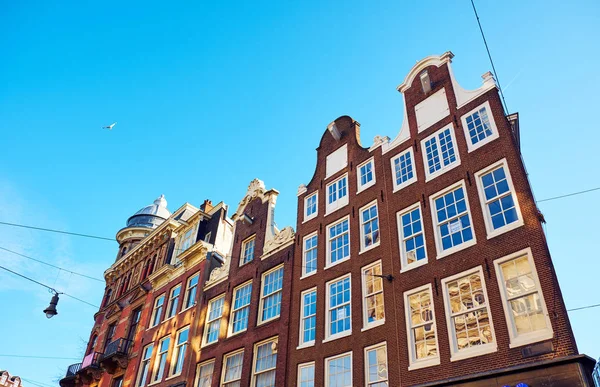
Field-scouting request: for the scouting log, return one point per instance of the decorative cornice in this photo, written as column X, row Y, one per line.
column 256, row 189
column 218, row 274
column 280, row 240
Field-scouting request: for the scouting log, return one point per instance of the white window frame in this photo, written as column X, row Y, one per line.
column 271, row 340
column 224, row 366
column 207, row 320
column 366, row 365
column 302, row 343
column 262, row 295
column 470, row 146
column 193, row 230
column 489, row 227
column 305, row 273
column 364, row 248
column 187, row 292
column 233, row 312
column 328, row 335
column 153, row 320
column 339, row 202
column 170, row 303
column 199, row 367
column 517, row 340
column 156, row 368
column 404, row 265
column 398, row 187
column 362, row 187
column 436, row 231
column 177, row 348
column 245, row 243
column 413, row 362
column 148, row 371
column 306, row 365
column 366, row 324
column 308, row 217
column 341, row 355
column 207, row 237
column 328, row 262
column 443, row 169
column 455, row 354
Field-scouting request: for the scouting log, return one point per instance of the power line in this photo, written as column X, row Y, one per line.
column 40, row 357
column 570, row 194
column 37, row 384
column 49, row 264
column 583, row 307
column 58, row 231
column 490, row 56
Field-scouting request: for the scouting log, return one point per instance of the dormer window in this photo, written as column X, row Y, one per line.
column 425, row 82
column 187, row 240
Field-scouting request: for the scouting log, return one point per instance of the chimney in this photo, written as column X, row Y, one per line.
column 206, row 206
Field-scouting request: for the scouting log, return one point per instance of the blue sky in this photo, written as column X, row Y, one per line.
column 209, row 95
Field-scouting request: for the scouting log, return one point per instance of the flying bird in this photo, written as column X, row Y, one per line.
column 109, row 127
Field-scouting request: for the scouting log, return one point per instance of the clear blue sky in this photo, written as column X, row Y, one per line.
column 209, row 95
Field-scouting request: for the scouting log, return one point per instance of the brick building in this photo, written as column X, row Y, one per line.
column 422, row 260
column 9, row 381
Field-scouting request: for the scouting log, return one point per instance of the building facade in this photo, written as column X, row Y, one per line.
column 9, row 381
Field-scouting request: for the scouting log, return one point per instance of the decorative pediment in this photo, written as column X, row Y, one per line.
column 256, row 189
column 218, row 274
column 281, row 239
column 112, row 311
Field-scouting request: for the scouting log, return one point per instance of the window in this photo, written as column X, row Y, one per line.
column 376, row 366
column 369, row 227
column 452, row 220
column 213, row 320
column 421, row 328
column 439, row 152
column 232, row 369
column 204, row 374
column 339, row 309
column 133, row 324
column 309, row 258
column 337, row 160
column 498, row 198
column 191, row 289
column 270, row 295
column 338, row 242
column 403, row 169
column 173, row 301
column 207, row 237
column 412, row 237
column 337, row 194
column 241, row 308
column 265, row 361
column 157, row 311
column 479, row 127
column 117, row 382
column 522, row 298
column 188, row 239
column 181, row 345
column 366, row 174
column 110, row 333
column 338, row 370
column 247, row 250
column 306, row 375
column 308, row 317
column 310, row 206
column 145, row 365
column 373, row 304
column 161, row 359
column 468, row 315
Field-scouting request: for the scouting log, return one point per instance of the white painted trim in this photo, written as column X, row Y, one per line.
column 464, row 96
column 156, row 367
column 404, row 266
column 243, row 248
column 362, row 236
column 366, row 361
column 187, row 292
column 172, row 362
column 342, row 150
column 255, row 352
column 150, row 370
column 438, row 239
column 233, row 310
column 204, row 343
column 455, row 354
column 152, row 324
column 443, row 169
column 224, row 365
column 259, row 320
column 433, row 60
column 403, row 134
column 398, row 187
column 328, row 335
column 314, row 214
column 311, row 343
column 366, row 324
column 339, row 202
column 198, row 366
column 413, row 363
column 304, row 273
column 470, row 146
column 341, row 355
column 305, row 365
column 360, row 188
column 328, row 262
column 517, row 340
column 168, row 310
column 489, row 227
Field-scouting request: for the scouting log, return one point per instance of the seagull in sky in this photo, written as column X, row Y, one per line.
column 109, row 127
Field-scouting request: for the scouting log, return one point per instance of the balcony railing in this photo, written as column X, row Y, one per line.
column 117, row 347
column 73, row 369
column 91, row 360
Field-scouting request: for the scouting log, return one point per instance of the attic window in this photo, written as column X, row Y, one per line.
column 425, row 82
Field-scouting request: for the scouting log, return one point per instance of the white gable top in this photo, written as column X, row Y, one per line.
column 431, row 110
column 336, row 161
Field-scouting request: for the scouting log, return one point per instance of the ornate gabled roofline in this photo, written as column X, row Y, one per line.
column 432, row 60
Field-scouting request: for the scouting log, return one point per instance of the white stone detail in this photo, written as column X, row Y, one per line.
column 336, row 161
column 431, row 110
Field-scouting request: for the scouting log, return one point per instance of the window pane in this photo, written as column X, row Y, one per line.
column 370, row 226
column 307, row 376
column 479, row 126
column 339, row 306
column 310, row 255
column 271, row 303
column 454, row 225
column 205, row 374
column 403, row 168
column 499, row 198
column 339, row 241
column 339, row 372
column 377, row 369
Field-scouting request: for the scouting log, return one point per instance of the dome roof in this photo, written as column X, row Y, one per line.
column 150, row 216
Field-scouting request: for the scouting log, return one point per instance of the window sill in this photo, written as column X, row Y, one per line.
column 373, row 325
column 471, row 147
column 236, row 333
column 403, row 185
column 311, row 217
column 306, row 345
column 366, row 186
column 458, row 248
column 155, row 383
column 173, row 376
column 484, row 350
column 170, row 318
column 186, row 309
column 336, row 263
column 412, row 266
column 338, row 336
column 429, row 177
column 308, row 275
column 547, row 334
column 505, row 229
column 208, row 344
column 424, row 363
column 331, row 211
column 369, row 248
column 267, row 321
